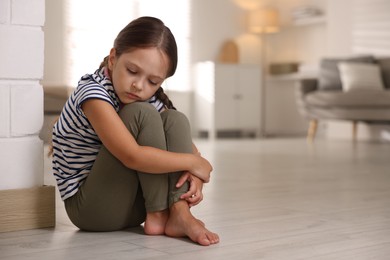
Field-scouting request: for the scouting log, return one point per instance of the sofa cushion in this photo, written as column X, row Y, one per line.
column 329, row 76
column 384, row 64
column 357, row 76
column 358, row 98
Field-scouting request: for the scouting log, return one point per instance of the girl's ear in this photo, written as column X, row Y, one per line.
column 111, row 59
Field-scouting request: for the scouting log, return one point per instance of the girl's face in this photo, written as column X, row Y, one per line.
column 137, row 75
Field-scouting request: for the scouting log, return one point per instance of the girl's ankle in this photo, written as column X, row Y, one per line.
column 155, row 222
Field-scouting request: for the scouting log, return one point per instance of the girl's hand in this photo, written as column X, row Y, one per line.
column 201, row 168
column 194, row 195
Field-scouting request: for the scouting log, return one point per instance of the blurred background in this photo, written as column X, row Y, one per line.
column 79, row 34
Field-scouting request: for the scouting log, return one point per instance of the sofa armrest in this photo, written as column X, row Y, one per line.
column 303, row 87
column 307, row 85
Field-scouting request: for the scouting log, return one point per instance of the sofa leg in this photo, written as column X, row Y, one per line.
column 354, row 130
column 311, row 132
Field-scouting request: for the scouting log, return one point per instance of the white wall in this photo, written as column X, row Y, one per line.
column 21, row 95
column 55, row 44
column 305, row 44
column 214, row 22
column 339, row 40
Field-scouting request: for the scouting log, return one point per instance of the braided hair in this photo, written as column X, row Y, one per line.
column 164, row 98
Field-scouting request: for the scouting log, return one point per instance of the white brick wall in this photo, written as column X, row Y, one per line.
column 21, row 95
column 21, row 162
column 26, row 109
column 21, row 49
column 5, row 111
column 4, row 11
column 28, row 12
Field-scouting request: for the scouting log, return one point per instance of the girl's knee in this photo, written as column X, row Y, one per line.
column 144, row 123
column 137, row 108
column 139, row 114
column 173, row 117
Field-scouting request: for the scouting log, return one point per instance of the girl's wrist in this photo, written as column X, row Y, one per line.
column 194, row 162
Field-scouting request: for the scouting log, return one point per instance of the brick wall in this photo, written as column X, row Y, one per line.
column 21, row 94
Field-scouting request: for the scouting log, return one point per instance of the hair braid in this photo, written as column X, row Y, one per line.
column 104, row 63
column 164, row 98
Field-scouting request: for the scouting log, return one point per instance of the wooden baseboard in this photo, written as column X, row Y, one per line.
column 31, row 208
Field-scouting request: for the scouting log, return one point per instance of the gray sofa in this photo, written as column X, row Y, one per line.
column 323, row 98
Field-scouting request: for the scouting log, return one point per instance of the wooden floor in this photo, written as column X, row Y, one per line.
column 268, row 199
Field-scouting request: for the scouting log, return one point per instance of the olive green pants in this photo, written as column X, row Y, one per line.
column 114, row 197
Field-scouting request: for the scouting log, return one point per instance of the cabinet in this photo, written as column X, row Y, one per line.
column 227, row 99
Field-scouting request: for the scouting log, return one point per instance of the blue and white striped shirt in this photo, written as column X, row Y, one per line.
column 75, row 143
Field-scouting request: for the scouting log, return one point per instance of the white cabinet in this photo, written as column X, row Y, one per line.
column 227, row 99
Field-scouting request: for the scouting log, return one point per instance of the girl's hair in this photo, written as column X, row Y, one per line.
column 146, row 32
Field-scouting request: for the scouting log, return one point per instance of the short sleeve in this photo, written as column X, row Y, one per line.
column 90, row 91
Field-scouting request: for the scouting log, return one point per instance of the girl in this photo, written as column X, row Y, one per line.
column 112, row 151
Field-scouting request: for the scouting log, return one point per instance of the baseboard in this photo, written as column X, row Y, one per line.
column 31, row 208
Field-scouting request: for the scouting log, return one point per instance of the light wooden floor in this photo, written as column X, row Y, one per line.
column 268, row 199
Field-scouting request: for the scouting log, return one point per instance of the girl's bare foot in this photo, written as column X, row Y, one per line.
column 181, row 223
column 155, row 222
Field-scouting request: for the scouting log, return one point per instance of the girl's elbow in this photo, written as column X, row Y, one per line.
column 130, row 163
column 130, row 159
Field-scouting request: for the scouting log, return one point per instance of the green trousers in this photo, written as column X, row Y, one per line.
column 114, row 197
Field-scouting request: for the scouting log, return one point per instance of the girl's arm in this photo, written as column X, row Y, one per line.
column 119, row 141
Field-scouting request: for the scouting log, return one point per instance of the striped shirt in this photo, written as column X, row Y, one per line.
column 75, row 143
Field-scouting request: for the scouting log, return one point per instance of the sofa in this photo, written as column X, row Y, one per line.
column 354, row 89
